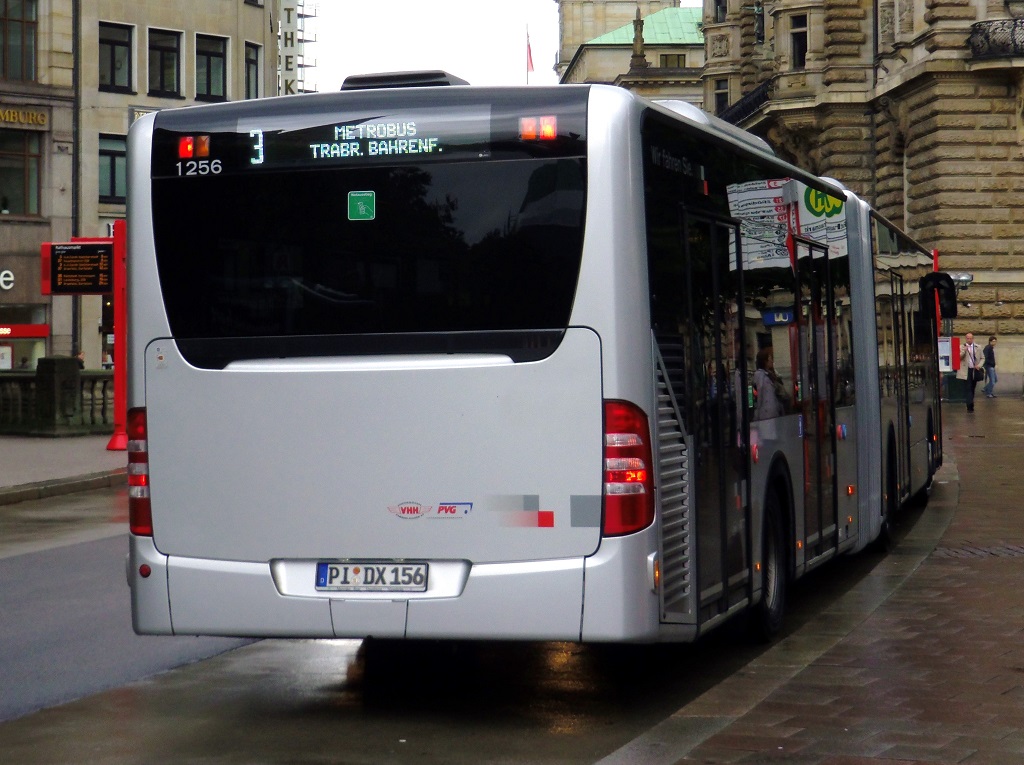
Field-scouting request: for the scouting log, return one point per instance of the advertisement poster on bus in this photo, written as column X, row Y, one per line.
column 771, row 209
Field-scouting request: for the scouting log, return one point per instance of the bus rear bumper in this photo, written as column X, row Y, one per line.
column 539, row 600
column 146, row 570
column 193, row 596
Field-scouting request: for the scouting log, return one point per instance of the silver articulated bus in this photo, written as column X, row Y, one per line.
column 494, row 363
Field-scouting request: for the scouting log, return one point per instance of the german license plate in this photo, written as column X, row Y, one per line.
column 371, row 576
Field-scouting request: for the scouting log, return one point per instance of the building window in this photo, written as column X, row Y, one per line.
column 721, row 96
column 211, row 68
column 18, row 21
column 252, row 70
column 115, row 58
column 164, row 63
column 20, row 162
column 798, row 40
column 113, row 169
column 673, row 60
column 721, row 9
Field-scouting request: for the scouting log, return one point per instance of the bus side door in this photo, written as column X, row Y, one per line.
column 716, row 368
column 817, row 408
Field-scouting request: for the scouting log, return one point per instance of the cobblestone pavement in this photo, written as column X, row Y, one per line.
column 922, row 662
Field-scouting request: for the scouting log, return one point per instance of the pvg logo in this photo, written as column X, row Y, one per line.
column 453, row 509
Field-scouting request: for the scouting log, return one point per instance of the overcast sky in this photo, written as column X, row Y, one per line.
column 482, row 41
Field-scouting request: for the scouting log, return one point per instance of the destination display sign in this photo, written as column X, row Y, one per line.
column 81, row 268
column 365, row 138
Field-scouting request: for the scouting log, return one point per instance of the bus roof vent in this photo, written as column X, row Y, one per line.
column 423, row 79
column 701, row 117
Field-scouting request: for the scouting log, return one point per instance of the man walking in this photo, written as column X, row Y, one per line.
column 990, row 367
column 970, row 360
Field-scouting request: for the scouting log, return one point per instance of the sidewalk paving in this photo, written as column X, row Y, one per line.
column 33, row 468
column 922, row 662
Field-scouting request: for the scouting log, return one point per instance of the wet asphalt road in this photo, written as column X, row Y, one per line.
column 66, row 635
column 65, row 631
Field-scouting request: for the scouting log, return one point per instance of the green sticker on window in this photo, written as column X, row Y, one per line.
column 362, row 205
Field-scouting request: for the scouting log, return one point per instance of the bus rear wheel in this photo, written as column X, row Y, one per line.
column 890, row 503
column 767, row 616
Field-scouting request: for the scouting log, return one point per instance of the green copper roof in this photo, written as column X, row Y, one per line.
column 670, row 26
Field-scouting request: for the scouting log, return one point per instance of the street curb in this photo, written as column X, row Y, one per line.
column 60, row 486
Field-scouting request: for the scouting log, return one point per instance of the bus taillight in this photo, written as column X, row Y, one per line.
column 140, row 516
column 190, row 146
column 538, row 128
column 628, row 470
column 186, row 147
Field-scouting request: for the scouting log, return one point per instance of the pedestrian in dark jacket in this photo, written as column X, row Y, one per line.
column 990, row 367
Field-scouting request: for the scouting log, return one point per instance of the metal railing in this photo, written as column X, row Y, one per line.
column 750, row 103
column 998, row 38
column 56, row 402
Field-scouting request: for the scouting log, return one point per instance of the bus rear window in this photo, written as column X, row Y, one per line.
column 488, row 240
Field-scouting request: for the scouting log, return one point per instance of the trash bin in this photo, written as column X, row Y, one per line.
column 58, row 408
column 953, row 388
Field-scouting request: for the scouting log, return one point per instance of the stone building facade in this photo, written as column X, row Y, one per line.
column 37, row 122
column 84, row 71
column 915, row 105
column 659, row 57
column 142, row 57
column 580, row 21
